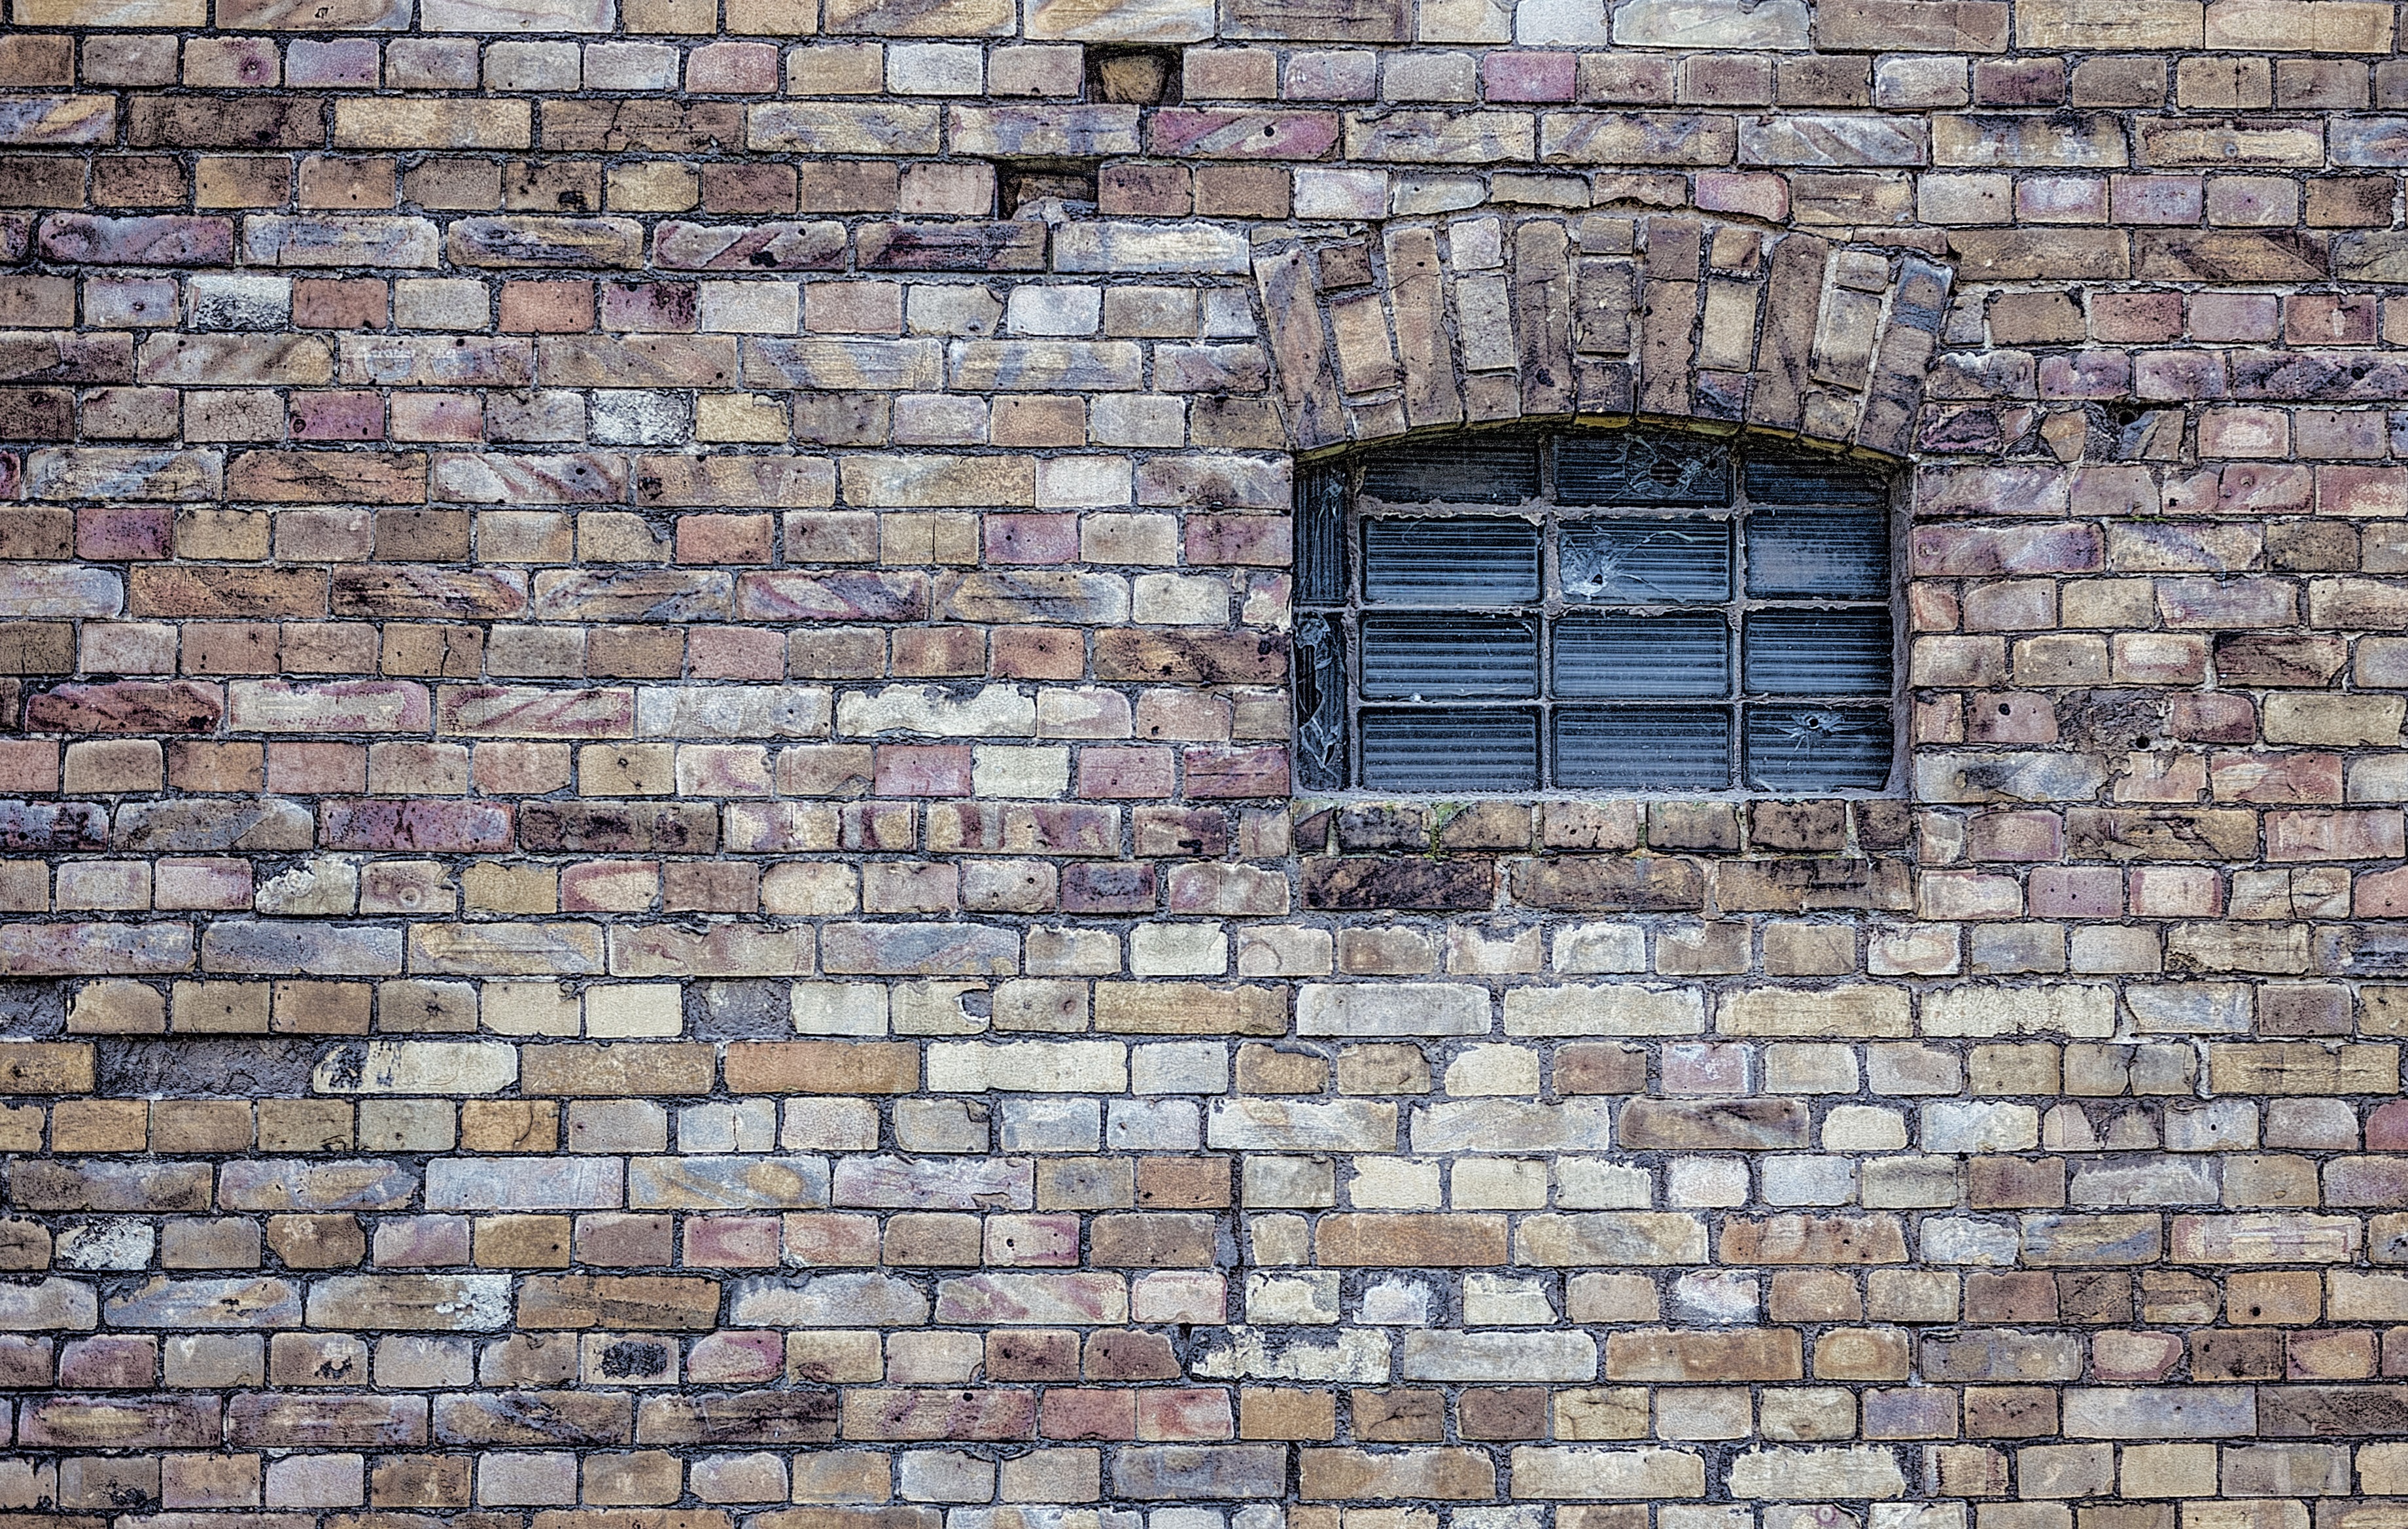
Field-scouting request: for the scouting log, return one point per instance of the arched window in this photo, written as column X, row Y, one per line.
column 1595, row 610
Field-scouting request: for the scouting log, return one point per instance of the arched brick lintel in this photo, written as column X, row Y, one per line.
column 1486, row 318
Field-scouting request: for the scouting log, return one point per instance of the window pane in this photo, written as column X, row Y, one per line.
column 1839, row 552
column 1487, row 560
column 1629, row 468
column 1817, row 653
column 1647, row 562
column 1320, row 534
column 1416, row 658
column 1644, row 657
column 1466, row 470
column 1808, row 748
column 1643, row 748
column 1489, row 749
column 1782, row 477
column 1320, row 705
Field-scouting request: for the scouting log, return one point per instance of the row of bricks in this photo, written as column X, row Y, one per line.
column 2016, row 942
column 2165, row 541
column 292, row 946
column 2224, row 81
column 738, row 1357
column 1465, row 1067
column 2154, row 1479
column 1718, row 90
column 2236, row 1182
column 520, row 1477
column 555, row 417
column 1401, row 1416
column 1462, row 1473
column 561, row 417
column 418, row 649
column 2040, row 541
column 1147, row 189
column 558, row 417
column 2249, row 1302
column 1844, row 25
column 838, row 304
column 1980, row 1134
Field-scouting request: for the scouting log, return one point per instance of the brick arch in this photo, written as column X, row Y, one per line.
column 1486, row 317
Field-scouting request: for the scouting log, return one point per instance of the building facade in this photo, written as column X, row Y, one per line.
column 1305, row 764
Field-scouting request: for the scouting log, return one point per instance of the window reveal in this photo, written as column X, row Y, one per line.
column 1612, row 610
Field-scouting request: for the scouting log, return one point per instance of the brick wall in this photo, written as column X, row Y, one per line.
column 648, row 867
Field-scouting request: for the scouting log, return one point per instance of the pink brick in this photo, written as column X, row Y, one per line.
column 420, row 1241
column 737, row 1358
column 609, row 886
column 2061, row 198
column 1032, row 1241
column 1747, row 194
column 724, row 538
column 1071, row 1413
column 2175, row 891
column 114, row 532
column 438, row 416
column 1518, row 76
column 736, row 653
column 1031, row 539
column 2320, row 319
column 347, row 61
column 109, row 1364
column 335, row 416
column 1109, row 771
column 2136, row 318
column 2368, row 834
column 1705, row 1067
column 2162, row 199
column 2213, row 718
column 2069, row 891
column 2224, row 317
column 817, row 1237
column 210, row 885
column 2361, row 491
column 2276, row 778
column 2386, row 1127
column 1179, row 1295
column 466, row 828
column 731, row 1242
column 732, row 68
column 923, row 770
column 1184, row 1414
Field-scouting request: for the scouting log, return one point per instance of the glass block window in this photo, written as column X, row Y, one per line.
column 1625, row 611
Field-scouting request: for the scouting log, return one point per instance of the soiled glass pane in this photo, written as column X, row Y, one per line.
column 1838, row 552
column 1458, row 470
column 1424, row 658
column 1320, row 705
column 1626, row 468
column 1483, row 560
column 1647, row 562
column 1643, row 748
column 1813, row 748
column 1464, row 749
column 1642, row 657
column 1782, row 477
column 1817, row 653
column 1320, row 534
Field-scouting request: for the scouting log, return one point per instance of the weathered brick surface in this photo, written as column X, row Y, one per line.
column 648, row 876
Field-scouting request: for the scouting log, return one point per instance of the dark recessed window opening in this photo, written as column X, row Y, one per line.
column 1593, row 610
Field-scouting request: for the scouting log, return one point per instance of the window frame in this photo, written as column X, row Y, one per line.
column 1330, row 536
